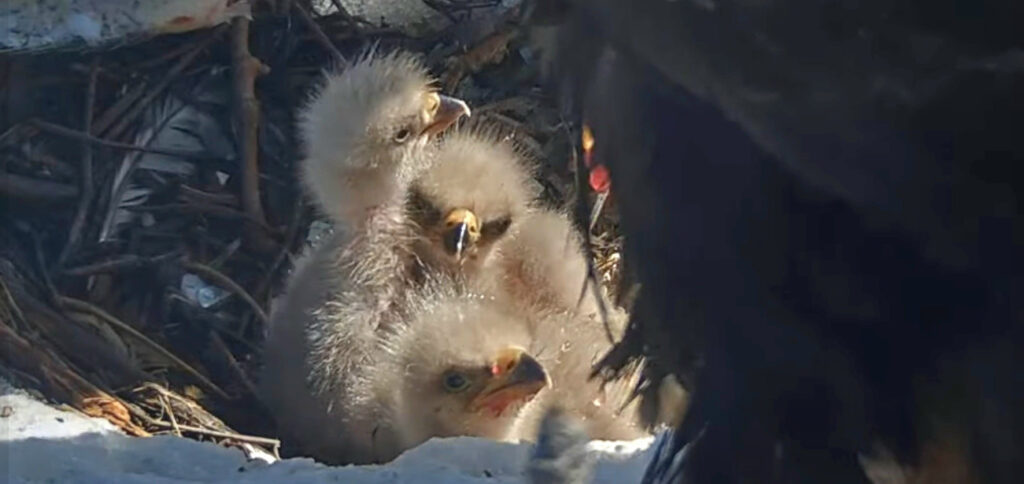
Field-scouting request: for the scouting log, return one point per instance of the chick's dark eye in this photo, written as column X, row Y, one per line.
column 454, row 382
column 402, row 135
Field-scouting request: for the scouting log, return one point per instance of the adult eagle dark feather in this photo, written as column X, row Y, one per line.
column 822, row 202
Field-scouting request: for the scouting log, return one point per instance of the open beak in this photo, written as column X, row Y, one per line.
column 449, row 110
column 516, row 377
column 461, row 231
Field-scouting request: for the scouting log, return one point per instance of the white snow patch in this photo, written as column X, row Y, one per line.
column 82, row 25
column 42, row 444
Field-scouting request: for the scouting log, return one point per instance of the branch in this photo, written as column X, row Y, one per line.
column 321, row 37
column 247, row 114
column 78, row 224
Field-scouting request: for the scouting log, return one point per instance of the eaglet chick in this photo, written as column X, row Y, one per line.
column 462, row 363
column 471, row 198
column 364, row 133
column 476, row 207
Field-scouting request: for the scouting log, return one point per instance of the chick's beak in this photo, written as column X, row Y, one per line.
column 516, row 377
column 461, row 231
column 449, row 110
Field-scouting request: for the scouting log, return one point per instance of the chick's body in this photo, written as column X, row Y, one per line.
column 320, row 331
column 365, row 132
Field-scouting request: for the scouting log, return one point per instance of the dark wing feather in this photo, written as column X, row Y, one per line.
column 820, row 200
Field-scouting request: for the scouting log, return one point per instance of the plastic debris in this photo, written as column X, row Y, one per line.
column 319, row 230
column 200, row 292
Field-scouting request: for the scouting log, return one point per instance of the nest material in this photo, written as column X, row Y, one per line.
column 152, row 211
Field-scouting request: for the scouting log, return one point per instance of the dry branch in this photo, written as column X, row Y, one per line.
column 247, row 114
column 83, row 306
column 321, row 37
column 70, row 133
column 231, row 285
column 252, row 439
column 78, row 224
column 30, row 189
column 491, row 50
column 63, row 383
column 130, row 117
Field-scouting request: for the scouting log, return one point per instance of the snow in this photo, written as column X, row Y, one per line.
column 39, row 443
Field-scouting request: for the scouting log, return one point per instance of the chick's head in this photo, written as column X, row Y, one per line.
column 368, row 122
column 464, row 369
column 476, row 190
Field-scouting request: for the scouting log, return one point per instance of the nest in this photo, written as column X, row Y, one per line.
column 152, row 209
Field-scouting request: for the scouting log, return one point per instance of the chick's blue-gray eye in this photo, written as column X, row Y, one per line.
column 454, row 381
column 402, row 135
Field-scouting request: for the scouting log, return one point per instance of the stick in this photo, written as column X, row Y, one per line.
column 252, row 439
column 31, row 189
column 170, row 414
column 247, row 114
column 289, row 241
column 321, row 37
column 70, row 133
column 229, row 284
column 186, row 60
column 126, row 262
column 78, row 224
column 83, row 306
column 64, row 382
column 233, row 363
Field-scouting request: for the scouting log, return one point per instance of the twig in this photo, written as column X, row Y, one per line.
column 229, row 284
column 218, row 323
column 129, row 118
column 44, row 272
column 226, row 254
column 203, row 208
column 490, row 50
column 70, row 133
column 25, row 188
column 441, row 9
column 112, row 113
column 170, row 414
column 62, row 381
column 252, row 439
column 79, row 344
column 233, row 363
column 83, row 306
column 321, row 37
column 11, row 305
column 126, row 262
column 289, row 241
column 348, row 17
column 227, row 199
column 510, row 103
column 247, row 114
column 78, row 224
column 163, row 57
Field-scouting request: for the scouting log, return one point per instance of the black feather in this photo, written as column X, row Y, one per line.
column 821, row 201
